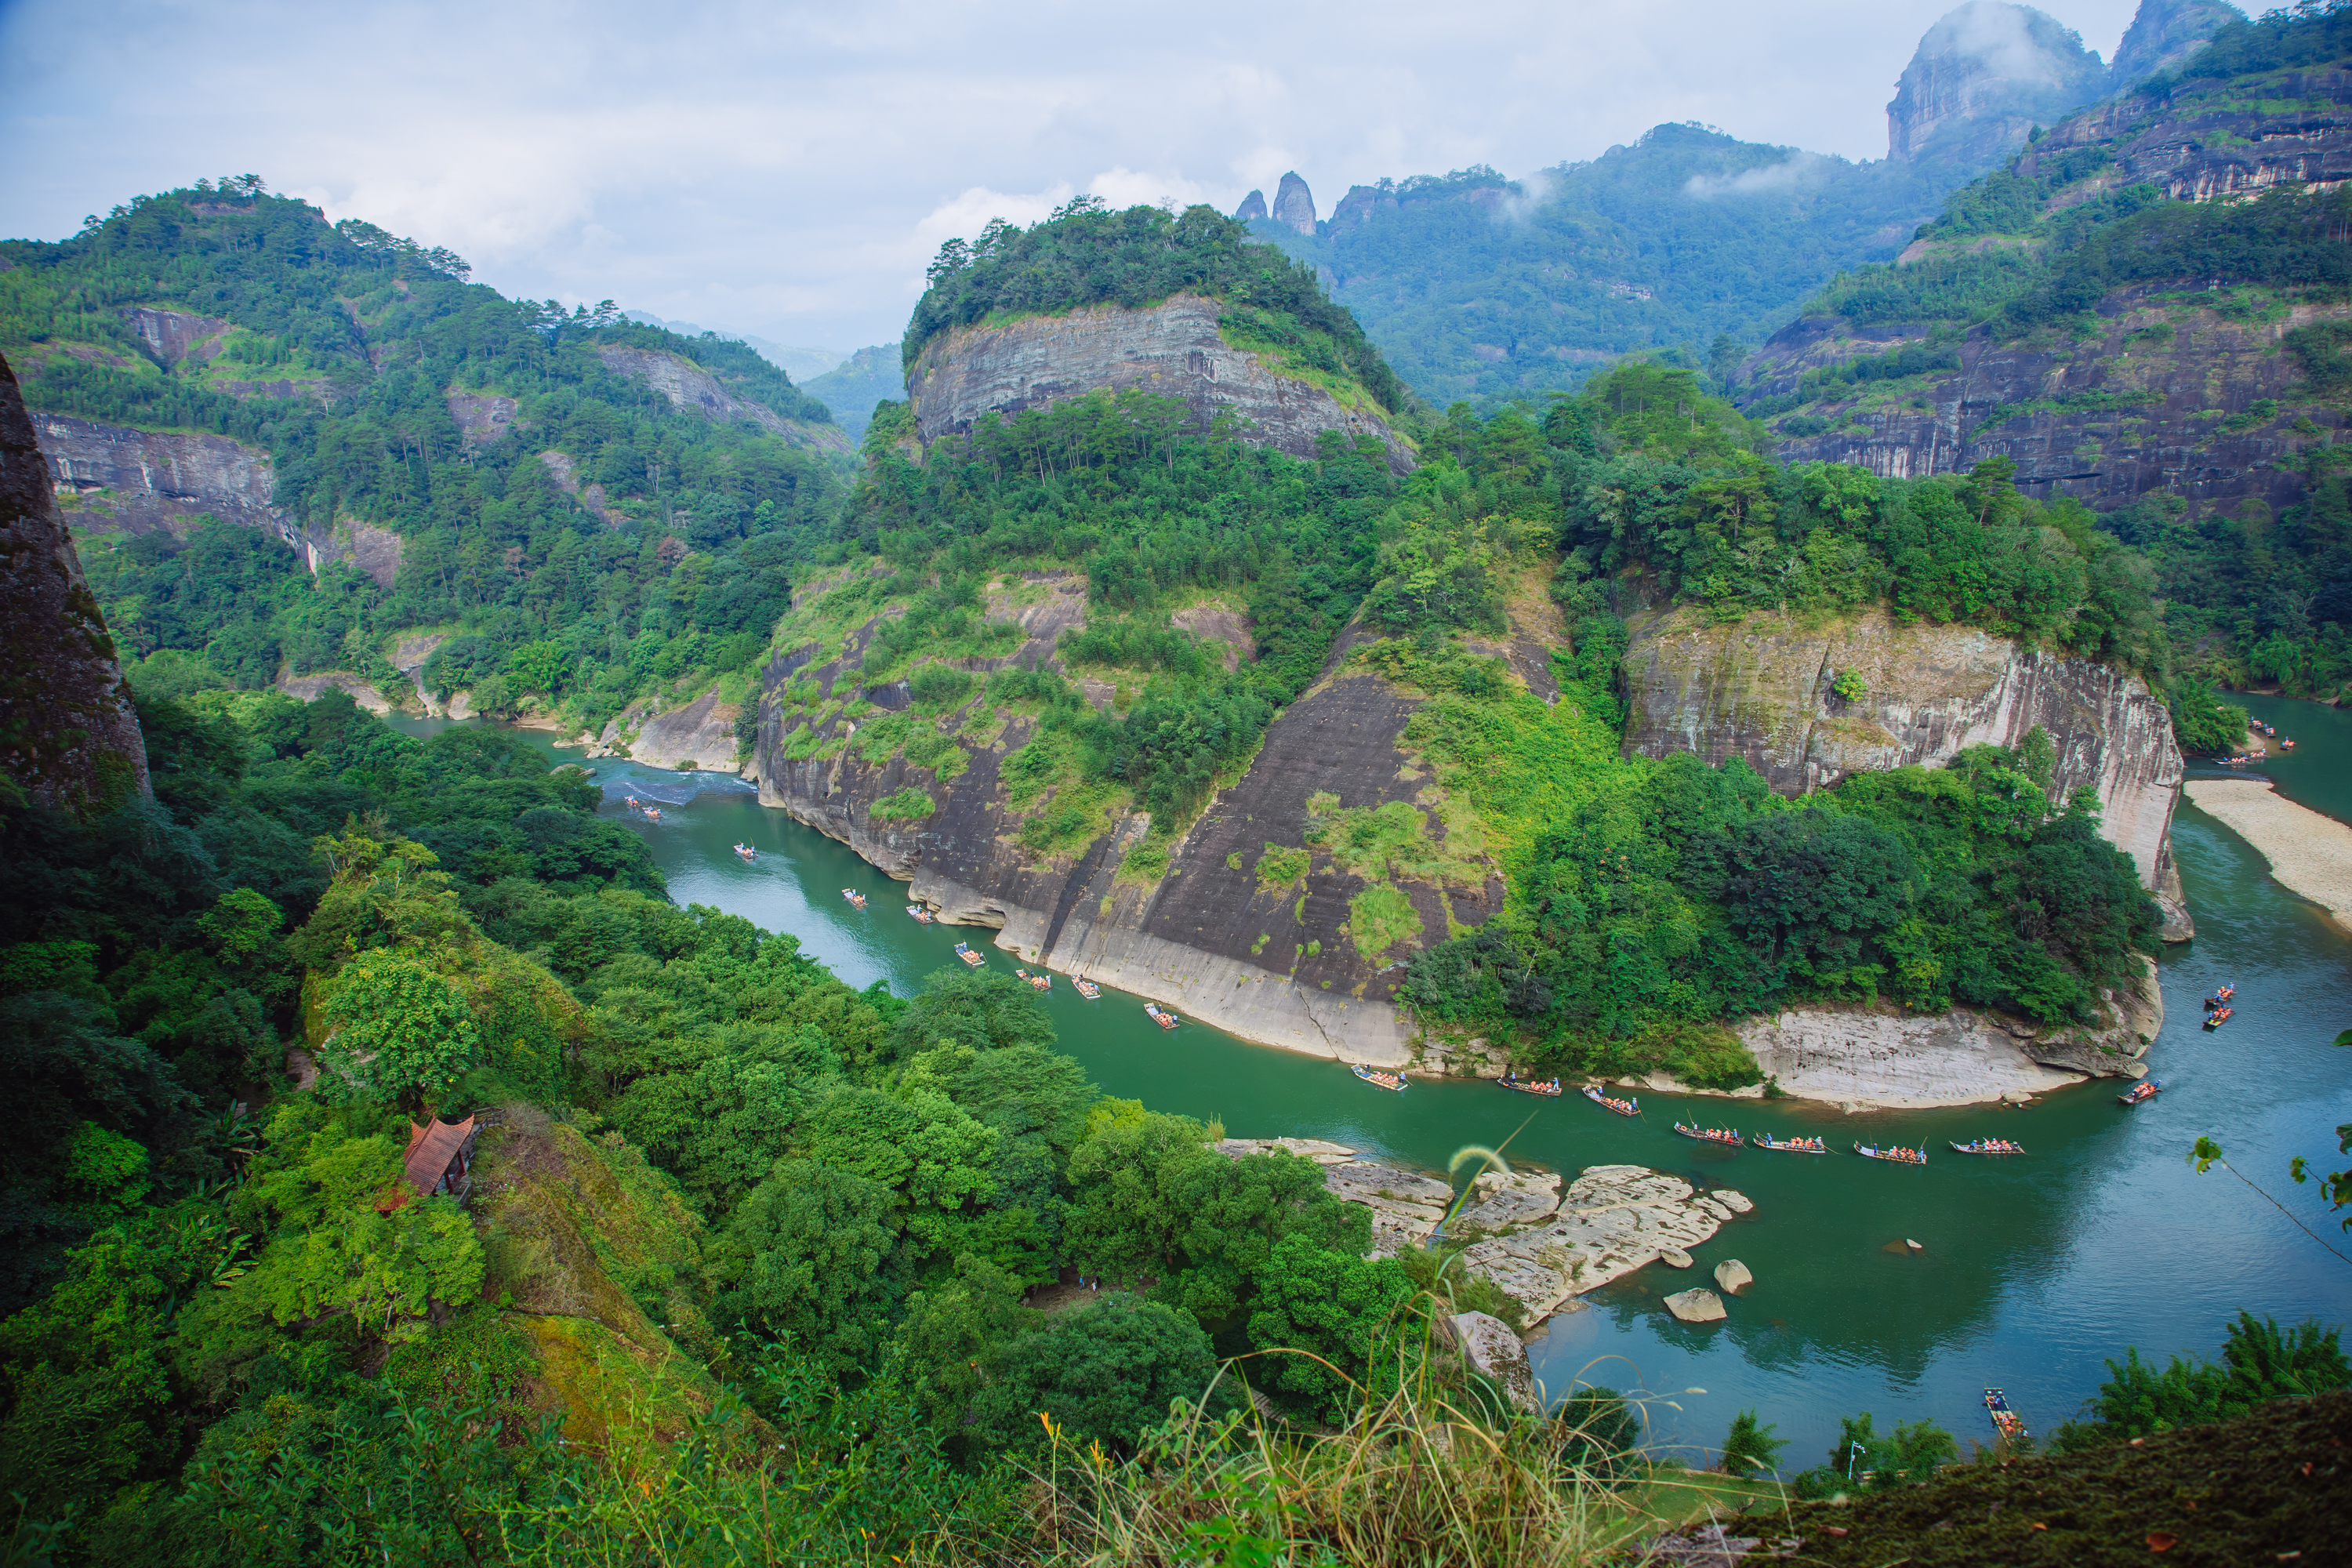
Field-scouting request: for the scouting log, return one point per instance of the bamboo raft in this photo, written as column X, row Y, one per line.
column 1900, row 1156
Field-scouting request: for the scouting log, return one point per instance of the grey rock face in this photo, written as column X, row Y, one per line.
column 1984, row 76
column 1760, row 690
column 2165, row 33
column 1171, row 348
column 146, row 481
column 1489, row 1345
column 1253, row 206
column 175, row 335
column 1293, row 205
column 482, row 417
column 69, row 735
column 693, row 390
column 701, row 734
column 1731, row 1276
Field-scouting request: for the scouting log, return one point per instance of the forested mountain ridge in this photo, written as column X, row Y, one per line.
column 547, row 509
column 2144, row 309
column 1182, row 305
column 1687, row 241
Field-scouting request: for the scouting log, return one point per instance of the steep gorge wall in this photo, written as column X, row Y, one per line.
column 1171, row 348
column 1759, row 690
column 1191, row 937
column 69, row 735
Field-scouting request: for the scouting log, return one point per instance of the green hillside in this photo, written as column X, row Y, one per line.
column 376, row 339
column 1089, row 255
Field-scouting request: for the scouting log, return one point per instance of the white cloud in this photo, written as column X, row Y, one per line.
column 1796, row 169
column 788, row 168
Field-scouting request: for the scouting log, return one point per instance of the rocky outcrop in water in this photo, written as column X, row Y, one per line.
column 699, row 735
column 1172, row 348
column 1872, row 1057
column 69, row 735
column 1760, row 690
column 1983, row 75
column 1541, row 1246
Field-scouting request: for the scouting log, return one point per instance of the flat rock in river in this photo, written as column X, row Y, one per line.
column 1502, row 1201
column 1733, row 1275
column 1697, row 1306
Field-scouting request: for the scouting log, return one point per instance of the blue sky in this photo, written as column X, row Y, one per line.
column 787, row 170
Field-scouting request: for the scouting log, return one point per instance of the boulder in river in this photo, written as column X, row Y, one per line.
column 1737, row 1203
column 1697, row 1306
column 1733, row 1275
column 1675, row 1258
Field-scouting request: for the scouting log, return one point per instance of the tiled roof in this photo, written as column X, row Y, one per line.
column 431, row 1148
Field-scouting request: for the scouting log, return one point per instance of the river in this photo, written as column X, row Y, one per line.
column 2034, row 1270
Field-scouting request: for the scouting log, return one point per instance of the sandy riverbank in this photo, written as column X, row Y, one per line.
column 2309, row 853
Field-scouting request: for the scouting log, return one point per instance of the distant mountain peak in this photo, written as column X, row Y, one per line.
column 1253, row 206
column 1293, row 205
column 2166, row 32
column 1982, row 77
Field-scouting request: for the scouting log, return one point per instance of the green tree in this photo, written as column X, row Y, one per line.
column 1748, row 1447
column 981, row 1008
column 1346, row 1314
column 810, row 1254
column 402, row 1033
column 1105, row 1371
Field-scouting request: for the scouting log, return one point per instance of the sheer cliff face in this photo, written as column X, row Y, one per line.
column 1760, row 690
column 1293, row 205
column 1206, row 937
column 68, row 736
column 1984, row 76
column 1171, row 348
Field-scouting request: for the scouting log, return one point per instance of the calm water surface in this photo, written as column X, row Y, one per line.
column 2034, row 1270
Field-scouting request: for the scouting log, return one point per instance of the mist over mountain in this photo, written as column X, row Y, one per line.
column 799, row 363
column 1481, row 286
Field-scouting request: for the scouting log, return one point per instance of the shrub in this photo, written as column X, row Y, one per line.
column 909, row 805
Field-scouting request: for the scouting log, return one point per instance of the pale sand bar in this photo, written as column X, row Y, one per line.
column 2309, row 853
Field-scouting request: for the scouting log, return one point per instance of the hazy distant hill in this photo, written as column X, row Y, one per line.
column 852, row 388
column 1478, row 286
column 801, row 365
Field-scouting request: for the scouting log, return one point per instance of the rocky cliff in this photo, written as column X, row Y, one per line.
column 2165, row 33
column 116, row 478
column 1173, row 349
column 694, row 390
column 69, row 735
column 1293, row 205
column 1264, row 954
column 1984, row 76
column 1759, row 690
column 2164, row 390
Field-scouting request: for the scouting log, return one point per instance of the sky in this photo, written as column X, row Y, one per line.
column 787, row 170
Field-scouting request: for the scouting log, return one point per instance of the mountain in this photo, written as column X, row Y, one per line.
column 2144, row 311
column 801, row 363
column 2164, row 33
column 852, row 388
column 1687, row 241
column 306, row 454
column 1982, row 77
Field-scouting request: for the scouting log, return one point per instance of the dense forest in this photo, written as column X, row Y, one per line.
column 2049, row 248
column 542, row 601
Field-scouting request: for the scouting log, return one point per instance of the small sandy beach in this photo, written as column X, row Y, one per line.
column 2309, row 853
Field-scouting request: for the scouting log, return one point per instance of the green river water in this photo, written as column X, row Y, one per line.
column 2033, row 1269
